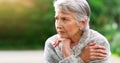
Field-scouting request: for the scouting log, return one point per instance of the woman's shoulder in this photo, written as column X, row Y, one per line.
column 96, row 34
column 52, row 39
column 98, row 37
column 100, row 40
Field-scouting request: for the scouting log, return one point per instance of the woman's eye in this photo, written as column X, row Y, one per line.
column 65, row 19
column 56, row 18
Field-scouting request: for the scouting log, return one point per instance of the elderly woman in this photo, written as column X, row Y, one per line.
column 75, row 42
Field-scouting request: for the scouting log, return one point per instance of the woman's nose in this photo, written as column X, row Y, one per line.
column 59, row 24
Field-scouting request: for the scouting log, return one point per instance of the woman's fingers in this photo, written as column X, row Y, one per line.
column 100, row 51
column 56, row 43
column 64, row 41
column 98, row 54
column 95, row 46
column 93, row 52
column 92, row 43
column 96, row 58
column 99, row 47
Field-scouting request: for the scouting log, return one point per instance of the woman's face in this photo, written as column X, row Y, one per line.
column 66, row 25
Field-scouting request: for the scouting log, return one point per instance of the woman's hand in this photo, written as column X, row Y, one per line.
column 93, row 52
column 65, row 46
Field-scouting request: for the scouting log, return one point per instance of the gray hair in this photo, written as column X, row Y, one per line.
column 80, row 9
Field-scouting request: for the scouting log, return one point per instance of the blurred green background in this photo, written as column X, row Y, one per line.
column 26, row 24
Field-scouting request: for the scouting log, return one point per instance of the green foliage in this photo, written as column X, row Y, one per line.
column 105, row 19
column 115, row 45
column 28, row 23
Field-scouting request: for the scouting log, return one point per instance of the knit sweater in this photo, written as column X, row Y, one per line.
column 54, row 54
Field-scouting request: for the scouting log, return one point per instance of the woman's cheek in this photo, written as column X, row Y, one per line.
column 69, row 30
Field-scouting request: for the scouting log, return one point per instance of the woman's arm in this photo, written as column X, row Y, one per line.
column 89, row 53
column 66, row 52
column 50, row 55
column 93, row 52
column 104, row 43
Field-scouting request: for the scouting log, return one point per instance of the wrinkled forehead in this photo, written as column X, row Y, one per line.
column 61, row 13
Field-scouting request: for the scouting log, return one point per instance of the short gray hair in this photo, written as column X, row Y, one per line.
column 80, row 9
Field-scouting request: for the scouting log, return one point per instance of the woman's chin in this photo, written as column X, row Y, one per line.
column 63, row 36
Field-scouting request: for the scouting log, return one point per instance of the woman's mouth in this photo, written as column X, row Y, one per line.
column 61, row 32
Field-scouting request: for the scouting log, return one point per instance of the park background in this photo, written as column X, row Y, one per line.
column 26, row 24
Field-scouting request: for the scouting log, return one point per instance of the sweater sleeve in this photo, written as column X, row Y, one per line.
column 75, row 59
column 52, row 57
column 49, row 53
column 105, row 43
column 72, row 59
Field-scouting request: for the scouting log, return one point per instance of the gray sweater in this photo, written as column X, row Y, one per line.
column 54, row 54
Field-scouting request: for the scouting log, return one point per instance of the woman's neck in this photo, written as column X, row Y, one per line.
column 76, row 37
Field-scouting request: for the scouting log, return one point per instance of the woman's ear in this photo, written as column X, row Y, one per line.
column 83, row 24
